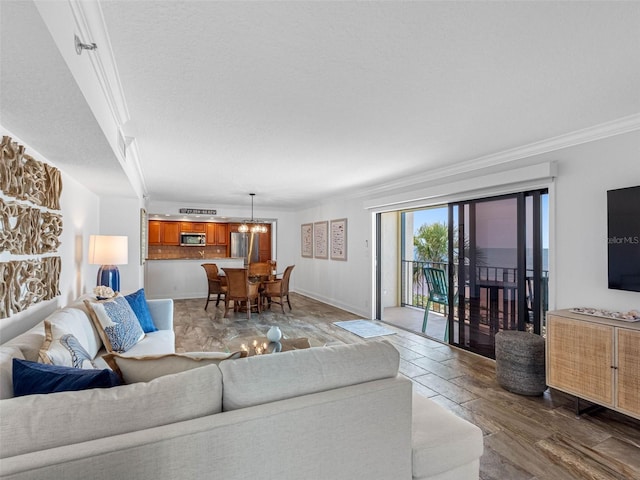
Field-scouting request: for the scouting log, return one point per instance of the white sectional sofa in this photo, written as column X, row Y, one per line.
column 341, row 412
column 76, row 317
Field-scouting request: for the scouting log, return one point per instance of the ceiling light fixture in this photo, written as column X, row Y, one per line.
column 252, row 225
column 83, row 46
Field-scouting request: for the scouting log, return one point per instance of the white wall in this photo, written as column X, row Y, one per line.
column 121, row 216
column 347, row 285
column 80, row 213
column 579, row 233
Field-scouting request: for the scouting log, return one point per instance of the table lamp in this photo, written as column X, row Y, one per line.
column 108, row 251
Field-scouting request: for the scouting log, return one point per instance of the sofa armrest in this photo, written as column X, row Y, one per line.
column 162, row 313
column 436, row 433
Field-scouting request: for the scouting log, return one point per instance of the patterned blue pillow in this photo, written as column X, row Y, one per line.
column 138, row 304
column 30, row 378
column 116, row 323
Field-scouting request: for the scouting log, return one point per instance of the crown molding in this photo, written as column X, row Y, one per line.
column 578, row 137
column 91, row 28
column 89, row 20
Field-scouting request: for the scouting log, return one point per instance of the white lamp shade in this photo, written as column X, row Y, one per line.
column 108, row 250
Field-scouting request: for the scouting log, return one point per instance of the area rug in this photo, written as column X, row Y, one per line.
column 364, row 328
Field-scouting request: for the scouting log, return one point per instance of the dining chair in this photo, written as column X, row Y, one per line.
column 260, row 269
column 438, row 293
column 217, row 284
column 278, row 289
column 241, row 291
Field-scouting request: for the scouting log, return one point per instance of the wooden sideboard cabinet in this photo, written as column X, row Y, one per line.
column 596, row 359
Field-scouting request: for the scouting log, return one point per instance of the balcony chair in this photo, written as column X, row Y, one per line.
column 241, row 291
column 217, row 283
column 438, row 293
column 278, row 289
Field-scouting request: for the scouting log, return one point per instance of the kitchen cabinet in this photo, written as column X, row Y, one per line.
column 154, row 232
column 596, row 359
column 193, row 227
column 163, row 233
column 217, row 234
column 171, row 233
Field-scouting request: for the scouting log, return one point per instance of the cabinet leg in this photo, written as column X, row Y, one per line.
column 586, row 410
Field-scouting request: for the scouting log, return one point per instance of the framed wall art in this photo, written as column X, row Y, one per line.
column 321, row 239
column 306, row 235
column 339, row 239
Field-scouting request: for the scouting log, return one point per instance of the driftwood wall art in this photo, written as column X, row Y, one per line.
column 24, row 283
column 28, row 227
column 24, row 178
column 26, row 230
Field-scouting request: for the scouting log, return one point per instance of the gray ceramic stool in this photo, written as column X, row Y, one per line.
column 520, row 362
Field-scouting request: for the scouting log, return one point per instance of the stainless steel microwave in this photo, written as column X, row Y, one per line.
column 193, row 239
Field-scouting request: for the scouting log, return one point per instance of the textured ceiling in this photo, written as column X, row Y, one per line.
column 297, row 101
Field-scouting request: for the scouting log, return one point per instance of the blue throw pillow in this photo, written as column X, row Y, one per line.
column 138, row 304
column 30, row 378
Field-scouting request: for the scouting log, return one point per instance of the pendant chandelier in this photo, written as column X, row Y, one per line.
column 251, row 225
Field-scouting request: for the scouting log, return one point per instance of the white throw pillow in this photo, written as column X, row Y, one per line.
column 145, row 369
column 61, row 347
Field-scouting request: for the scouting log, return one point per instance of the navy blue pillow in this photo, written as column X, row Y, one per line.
column 138, row 304
column 30, row 378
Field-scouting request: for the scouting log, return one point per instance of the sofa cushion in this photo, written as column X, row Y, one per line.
column 63, row 348
column 153, row 343
column 138, row 304
column 268, row 378
column 116, row 323
column 7, row 354
column 31, row 378
column 441, row 441
column 39, row 422
column 144, row 369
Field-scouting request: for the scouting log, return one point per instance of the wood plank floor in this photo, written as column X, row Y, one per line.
column 530, row 438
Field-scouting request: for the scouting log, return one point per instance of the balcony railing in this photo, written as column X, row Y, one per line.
column 501, row 309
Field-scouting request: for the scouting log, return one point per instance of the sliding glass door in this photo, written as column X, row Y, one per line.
column 493, row 252
column 496, row 249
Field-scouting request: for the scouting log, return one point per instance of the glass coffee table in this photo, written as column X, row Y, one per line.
column 262, row 346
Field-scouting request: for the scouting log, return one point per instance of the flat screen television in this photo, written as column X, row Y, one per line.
column 623, row 221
